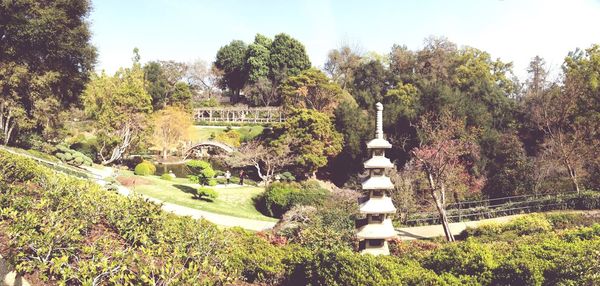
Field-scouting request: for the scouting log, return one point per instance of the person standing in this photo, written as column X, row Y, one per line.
column 227, row 177
column 241, row 177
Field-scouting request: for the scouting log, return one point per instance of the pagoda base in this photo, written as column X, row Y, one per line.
column 374, row 247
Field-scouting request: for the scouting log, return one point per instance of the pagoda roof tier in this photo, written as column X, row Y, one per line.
column 379, row 143
column 382, row 205
column 384, row 230
column 378, row 162
column 378, row 183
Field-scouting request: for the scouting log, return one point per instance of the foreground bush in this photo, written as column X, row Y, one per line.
column 145, row 168
column 68, row 231
column 71, row 232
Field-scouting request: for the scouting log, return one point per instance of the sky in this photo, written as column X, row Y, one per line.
column 188, row 30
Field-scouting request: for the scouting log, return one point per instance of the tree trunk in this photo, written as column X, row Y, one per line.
column 164, row 153
column 573, row 177
column 439, row 204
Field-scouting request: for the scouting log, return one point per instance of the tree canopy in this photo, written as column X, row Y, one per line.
column 45, row 61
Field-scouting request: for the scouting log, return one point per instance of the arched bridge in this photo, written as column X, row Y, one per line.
column 208, row 144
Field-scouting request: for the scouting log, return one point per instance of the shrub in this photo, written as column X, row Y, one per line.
column 287, row 177
column 229, row 137
column 281, row 197
column 529, row 224
column 351, row 268
column 203, row 172
column 72, row 157
column 487, row 229
column 206, row 194
column 518, row 271
column 89, row 147
column 166, row 177
column 584, row 233
column 465, row 258
column 146, row 168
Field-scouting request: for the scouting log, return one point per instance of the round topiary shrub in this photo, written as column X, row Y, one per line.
column 166, row 177
column 72, row 157
column 145, row 169
column 206, row 194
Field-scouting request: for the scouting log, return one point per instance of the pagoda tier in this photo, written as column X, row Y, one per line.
column 374, row 230
column 378, row 183
column 382, row 205
column 377, row 230
column 378, row 162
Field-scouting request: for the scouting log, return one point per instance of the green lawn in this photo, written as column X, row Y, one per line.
column 233, row 200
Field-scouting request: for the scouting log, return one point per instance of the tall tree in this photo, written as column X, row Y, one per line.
column 257, row 58
column 312, row 89
column 581, row 81
column 311, row 137
column 538, row 76
column 370, row 83
column 341, row 64
column 288, row 57
column 230, row 60
column 45, row 60
column 119, row 106
column 435, row 60
column 403, row 63
column 165, row 84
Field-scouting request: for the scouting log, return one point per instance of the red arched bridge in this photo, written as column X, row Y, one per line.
column 202, row 148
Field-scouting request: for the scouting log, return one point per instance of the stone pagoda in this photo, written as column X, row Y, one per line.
column 375, row 228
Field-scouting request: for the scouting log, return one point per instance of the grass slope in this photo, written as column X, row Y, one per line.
column 233, row 200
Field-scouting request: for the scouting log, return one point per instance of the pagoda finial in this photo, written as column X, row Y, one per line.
column 379, row 132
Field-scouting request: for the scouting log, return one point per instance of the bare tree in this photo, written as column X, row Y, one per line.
column 267, row 159
column 202, row 78
column 565, row 139
column 129, row 131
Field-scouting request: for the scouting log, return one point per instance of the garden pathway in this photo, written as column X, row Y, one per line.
column 431, row 231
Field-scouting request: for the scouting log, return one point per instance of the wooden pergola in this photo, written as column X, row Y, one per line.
column 234, row 114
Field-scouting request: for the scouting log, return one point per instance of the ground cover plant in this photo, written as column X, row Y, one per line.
column 63, row 230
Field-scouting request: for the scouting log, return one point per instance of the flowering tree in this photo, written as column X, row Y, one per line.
column 445, row 156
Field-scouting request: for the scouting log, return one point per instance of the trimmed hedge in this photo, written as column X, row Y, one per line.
column 278, row 198
column 145, row 168
column 204, row 193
